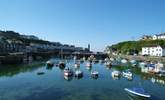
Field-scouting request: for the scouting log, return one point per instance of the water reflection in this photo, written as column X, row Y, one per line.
column 115, row 77
column 11, row 70
column 40, row 73
column 114, row 86
column 68, row 78
column 49, row 67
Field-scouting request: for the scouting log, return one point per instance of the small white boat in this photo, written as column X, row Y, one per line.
column 124, row 61
column 137, row 92
column 127, row 73
column 134, row 65
column 68, row 72
column 133, row 61
column 111, row 59
column 116, row 74
column 106, row 59
column 78, row 73
column 49, row 63
column 95, row 74
column 84, row 59
column 108, row 64
column 142, row 64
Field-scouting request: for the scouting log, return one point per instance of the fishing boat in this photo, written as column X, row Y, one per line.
column 94, row 74
column 116, row 74
column 78, row 73
column 68, row 72
column 137, row 92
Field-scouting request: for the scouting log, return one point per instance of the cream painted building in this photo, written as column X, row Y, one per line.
column 159, row 37
column 153, row 51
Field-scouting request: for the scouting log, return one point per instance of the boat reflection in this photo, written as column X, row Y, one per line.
column 67, row 78
column 49, row 67
column 133, row 97
column 115, row 78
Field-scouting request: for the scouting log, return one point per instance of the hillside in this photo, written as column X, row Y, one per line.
column 130, row 47
column 25, row 39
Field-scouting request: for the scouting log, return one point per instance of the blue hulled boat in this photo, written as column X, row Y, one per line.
column 137, row 91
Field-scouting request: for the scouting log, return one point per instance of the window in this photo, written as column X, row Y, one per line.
column 159, row 49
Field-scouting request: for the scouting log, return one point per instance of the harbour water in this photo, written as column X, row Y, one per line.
column 23, row 83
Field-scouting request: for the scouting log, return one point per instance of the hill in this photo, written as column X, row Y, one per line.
column 131, row 47
column 25, row 39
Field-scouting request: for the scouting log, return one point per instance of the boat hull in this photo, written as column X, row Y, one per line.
column 133, row 93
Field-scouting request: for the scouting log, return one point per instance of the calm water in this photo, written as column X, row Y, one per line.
column 23, row 83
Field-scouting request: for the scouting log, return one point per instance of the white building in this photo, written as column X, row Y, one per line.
column 159, row 37
column 153, row 50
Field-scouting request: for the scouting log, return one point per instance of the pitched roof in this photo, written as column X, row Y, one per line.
column 163, row 47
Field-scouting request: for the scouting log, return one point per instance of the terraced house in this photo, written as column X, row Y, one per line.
column 154, row 50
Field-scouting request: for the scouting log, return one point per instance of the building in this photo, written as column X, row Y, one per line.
column 89, row 47
column 159, row 37
column 154, row 50
column 146, row 37
column 30, row 37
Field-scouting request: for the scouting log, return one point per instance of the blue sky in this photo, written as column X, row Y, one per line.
column 79, row 22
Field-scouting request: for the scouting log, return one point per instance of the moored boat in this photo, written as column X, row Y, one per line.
column 127, row 73
column 133, row 61
column 62, row 65
column 50, row 63
column 108, row 64
column 124, row 61
column 94, row 74
column 116, row 73
column 137, row 92
column 142, row 64
column 78, row 73
column 88, row 64
column 68, row 72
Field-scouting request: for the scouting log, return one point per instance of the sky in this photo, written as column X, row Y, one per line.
column 82, row 22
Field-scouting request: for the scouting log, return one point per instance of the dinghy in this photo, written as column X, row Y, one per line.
column 137, row 92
